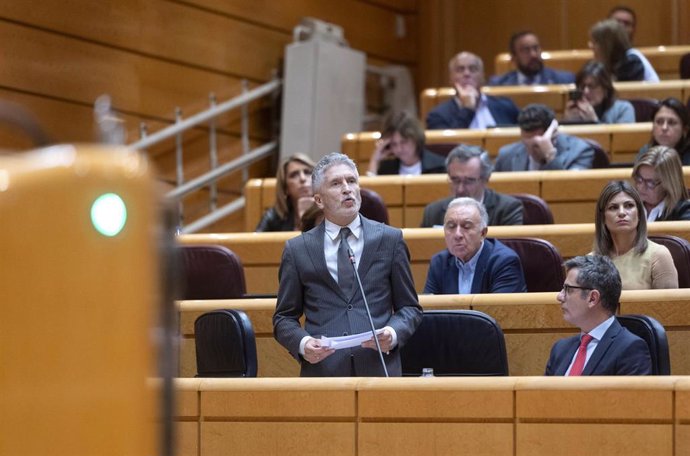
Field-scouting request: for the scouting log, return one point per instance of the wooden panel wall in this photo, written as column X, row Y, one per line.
column 484, row 28
column 152, row 56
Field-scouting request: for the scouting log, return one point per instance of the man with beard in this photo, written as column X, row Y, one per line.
column 525, row 52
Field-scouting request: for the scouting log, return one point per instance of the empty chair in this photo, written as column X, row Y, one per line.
column 644, row 108
column 680, row 251
column 373, row 206
column 652, row 332
column 542, row 264
column 535, row 211
column 225, row 344
column 211, row 272
column 684, row 69
column 456, row 343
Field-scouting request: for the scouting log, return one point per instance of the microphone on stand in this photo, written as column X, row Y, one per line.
column 351, row 254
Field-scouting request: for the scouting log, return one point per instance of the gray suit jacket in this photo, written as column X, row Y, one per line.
column 307, row 289
column 571, row 153
column 502, row 210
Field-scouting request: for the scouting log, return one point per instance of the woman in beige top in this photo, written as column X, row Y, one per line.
column 621, row 234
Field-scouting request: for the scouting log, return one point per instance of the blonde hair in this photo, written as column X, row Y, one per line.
column 669, row 168
column 283, row 204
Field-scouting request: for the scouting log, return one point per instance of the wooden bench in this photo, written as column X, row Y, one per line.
column 664, row 59
column 513, row 416
column 621, row 141
column 556, row 96
column 531, row 322
column 261, row 252
column 571, row 195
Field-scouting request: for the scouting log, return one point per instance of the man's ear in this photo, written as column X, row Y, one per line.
column 318, row 201
column 594, row 298
column 484, row 231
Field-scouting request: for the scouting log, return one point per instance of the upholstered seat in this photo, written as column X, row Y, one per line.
column 644, row 108
column 535, row 210
column 542, row 264
column 680, row 251
column 211, row 272
column 225, row 344
column 456, row 343
column 373, row 206
column 652, row 332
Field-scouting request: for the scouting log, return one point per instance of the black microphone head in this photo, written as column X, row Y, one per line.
column 351, row 255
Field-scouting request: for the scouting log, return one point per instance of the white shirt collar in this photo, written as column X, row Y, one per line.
column 333, row 230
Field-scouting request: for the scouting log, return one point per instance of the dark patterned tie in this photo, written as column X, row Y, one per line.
column 346, row 275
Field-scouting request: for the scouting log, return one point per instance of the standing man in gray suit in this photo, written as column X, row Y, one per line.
column 541, row 146
column 317, row 283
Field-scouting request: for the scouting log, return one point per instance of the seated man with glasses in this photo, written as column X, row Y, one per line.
column 470, row 108
column 471, row 262
column 589, row 300
column 469, row 169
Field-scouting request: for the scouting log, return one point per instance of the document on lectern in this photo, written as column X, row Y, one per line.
column 353, row 340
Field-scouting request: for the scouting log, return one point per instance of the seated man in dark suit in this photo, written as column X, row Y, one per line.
column 469, row 169
column 470, row 108
column 541, row 146
column 589, row 299
column 472, row 263
column 525, row 53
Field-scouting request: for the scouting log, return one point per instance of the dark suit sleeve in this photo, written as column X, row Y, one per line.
column 449, row 115
column 434, row 276
column 407, row 311
column 507, row 276
column 635, row 359
column 551, row 363
column 289, row 305
column 512, row 213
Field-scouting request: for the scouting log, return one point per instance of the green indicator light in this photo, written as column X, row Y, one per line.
column 108, row 214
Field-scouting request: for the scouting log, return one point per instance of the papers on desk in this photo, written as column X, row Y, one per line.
column 353, row 340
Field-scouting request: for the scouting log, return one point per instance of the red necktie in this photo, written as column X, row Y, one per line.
column 579, row 363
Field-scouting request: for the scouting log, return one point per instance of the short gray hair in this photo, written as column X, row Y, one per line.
column 332, row 159
column 598, row 273
column 464, row 152
column 465, row 201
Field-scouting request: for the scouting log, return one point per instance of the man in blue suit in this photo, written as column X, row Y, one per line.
column 470, row 108
column 472, row 263
column 589, row 299
column 525, row 53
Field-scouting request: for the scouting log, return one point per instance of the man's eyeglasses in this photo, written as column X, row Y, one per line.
column 466, row 181
column 567, row 288
column 651, row 184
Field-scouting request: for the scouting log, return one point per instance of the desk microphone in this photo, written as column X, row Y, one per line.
column 351, row 254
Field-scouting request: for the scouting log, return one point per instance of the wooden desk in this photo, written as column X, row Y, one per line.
column 571, row 195
column 509, row 416
column 556, row 95
column 664, row 59
column 532, row 322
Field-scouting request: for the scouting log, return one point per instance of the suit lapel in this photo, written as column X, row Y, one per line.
column 371, row 234
column 481, row 267
column 570, row 349
column 602, row 348
column 314, row 242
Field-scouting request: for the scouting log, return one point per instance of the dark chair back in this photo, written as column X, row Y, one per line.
column 456, row 343
column 680, row 251
column 684, row 69
column 373, row 206
column 601, row 157
column 535, row 211
column 652, row 332
column 225, row 344
column 211, row 272
column 442, row 149
column 542, row 264
column 644, row 108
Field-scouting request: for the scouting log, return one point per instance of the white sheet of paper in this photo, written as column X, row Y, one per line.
column 353, row 340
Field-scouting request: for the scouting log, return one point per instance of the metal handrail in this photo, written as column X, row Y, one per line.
column 209, row 179
column 207, row 115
